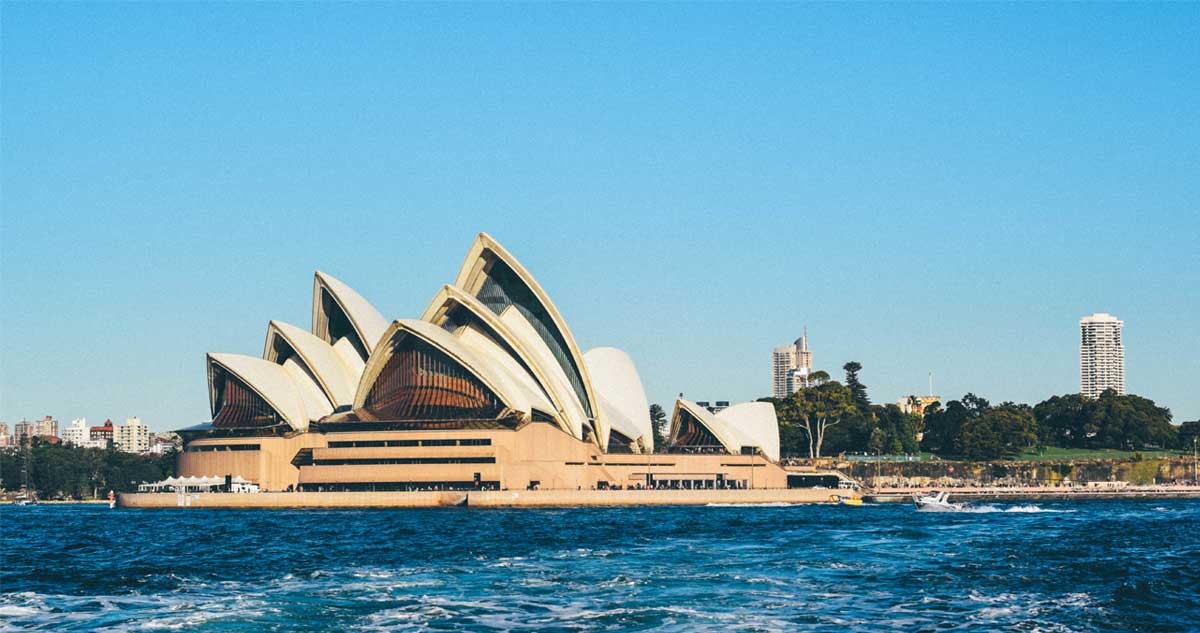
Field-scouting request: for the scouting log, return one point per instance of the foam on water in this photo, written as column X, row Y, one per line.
column 769, row 504
column 1027, row 509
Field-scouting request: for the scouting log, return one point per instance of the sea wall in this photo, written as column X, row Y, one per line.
column 492, row 498
column 1134, row 471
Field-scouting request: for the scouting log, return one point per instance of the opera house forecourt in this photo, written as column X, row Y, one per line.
column 486, row 397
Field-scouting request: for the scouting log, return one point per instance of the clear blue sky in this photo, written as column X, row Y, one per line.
column 945, row 188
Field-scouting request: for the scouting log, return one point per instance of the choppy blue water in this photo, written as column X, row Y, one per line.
column 1089, row 565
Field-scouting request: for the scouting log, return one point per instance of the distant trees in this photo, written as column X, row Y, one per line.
column 858, row 391
column 818, row 378
column 973, row 428
column 811, row 411
column 828, row 417
column 69, row 471
column 895, row 431
column 658, row 426
column 1188, row 432
column 942, row 424
column 1002, row 431
column 1127, row 422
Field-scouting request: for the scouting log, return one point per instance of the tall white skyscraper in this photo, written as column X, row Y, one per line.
column 787, row 363
column 1101, row 355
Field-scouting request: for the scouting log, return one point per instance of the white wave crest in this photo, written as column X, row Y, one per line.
column 988, row 508
column 769, row 504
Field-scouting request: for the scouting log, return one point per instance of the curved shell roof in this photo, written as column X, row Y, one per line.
column 510, row 390
column 558, row 382
column 271, row 382
column 542, row 367
column 337, row 381
column 747, row 426
column 472, row 276
column 621, row 395
column 756, row 422
column 368, row 323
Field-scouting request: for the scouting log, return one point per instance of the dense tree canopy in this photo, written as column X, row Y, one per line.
column 970, row 426
column 1003, row 431
column 827, row 418
column 858, row 391
column 69, row 471
column 1111, row 421
column 1189, row 432
column 813, row 411
column 658, row 426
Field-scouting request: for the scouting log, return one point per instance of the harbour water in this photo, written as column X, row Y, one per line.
column 1126, row 565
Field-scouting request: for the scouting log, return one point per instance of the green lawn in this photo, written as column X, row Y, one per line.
column 1054, row 453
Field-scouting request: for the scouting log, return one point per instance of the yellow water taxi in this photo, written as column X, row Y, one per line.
column 845, row 501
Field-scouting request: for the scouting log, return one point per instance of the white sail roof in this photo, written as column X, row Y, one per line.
column 472, row 277
column 620, row 392
column 367, row 322
column 748, row 425
column 336, row 380
column 270, row 381
column 756, row 423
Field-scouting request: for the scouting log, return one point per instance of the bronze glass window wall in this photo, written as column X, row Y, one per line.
column 238, row 406
column 420, row 382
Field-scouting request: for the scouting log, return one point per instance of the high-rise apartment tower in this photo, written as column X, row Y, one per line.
column 1101, row 355
column 788, row 361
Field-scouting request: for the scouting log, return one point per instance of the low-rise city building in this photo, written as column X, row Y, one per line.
column 163, row 443
column 132, row 437
column 916, row 404
column 47, row 427
column 23, row 432
column 79, row 434
column 102, row 433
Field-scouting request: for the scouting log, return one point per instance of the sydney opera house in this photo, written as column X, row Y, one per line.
column 487, row 390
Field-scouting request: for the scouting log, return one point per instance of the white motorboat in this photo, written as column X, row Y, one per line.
column 936, row 501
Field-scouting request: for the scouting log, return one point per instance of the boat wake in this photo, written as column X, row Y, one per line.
column 771, row 504
column 990, row 509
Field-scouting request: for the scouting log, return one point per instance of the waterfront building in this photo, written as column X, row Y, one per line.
column 796, row 380
column 47, row 427
column 132, row 437
column 1101, row 355
column 486, row 390
column 163, row 443
column 80, row 434
column 5, row 438
column 23, row 432
column 102, row 435
column 788, row 363
column 916, row 404
column 77, row 433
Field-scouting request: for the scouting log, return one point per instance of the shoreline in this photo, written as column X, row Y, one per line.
column 484, row 498
column 904, row 495
column 61, row 502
